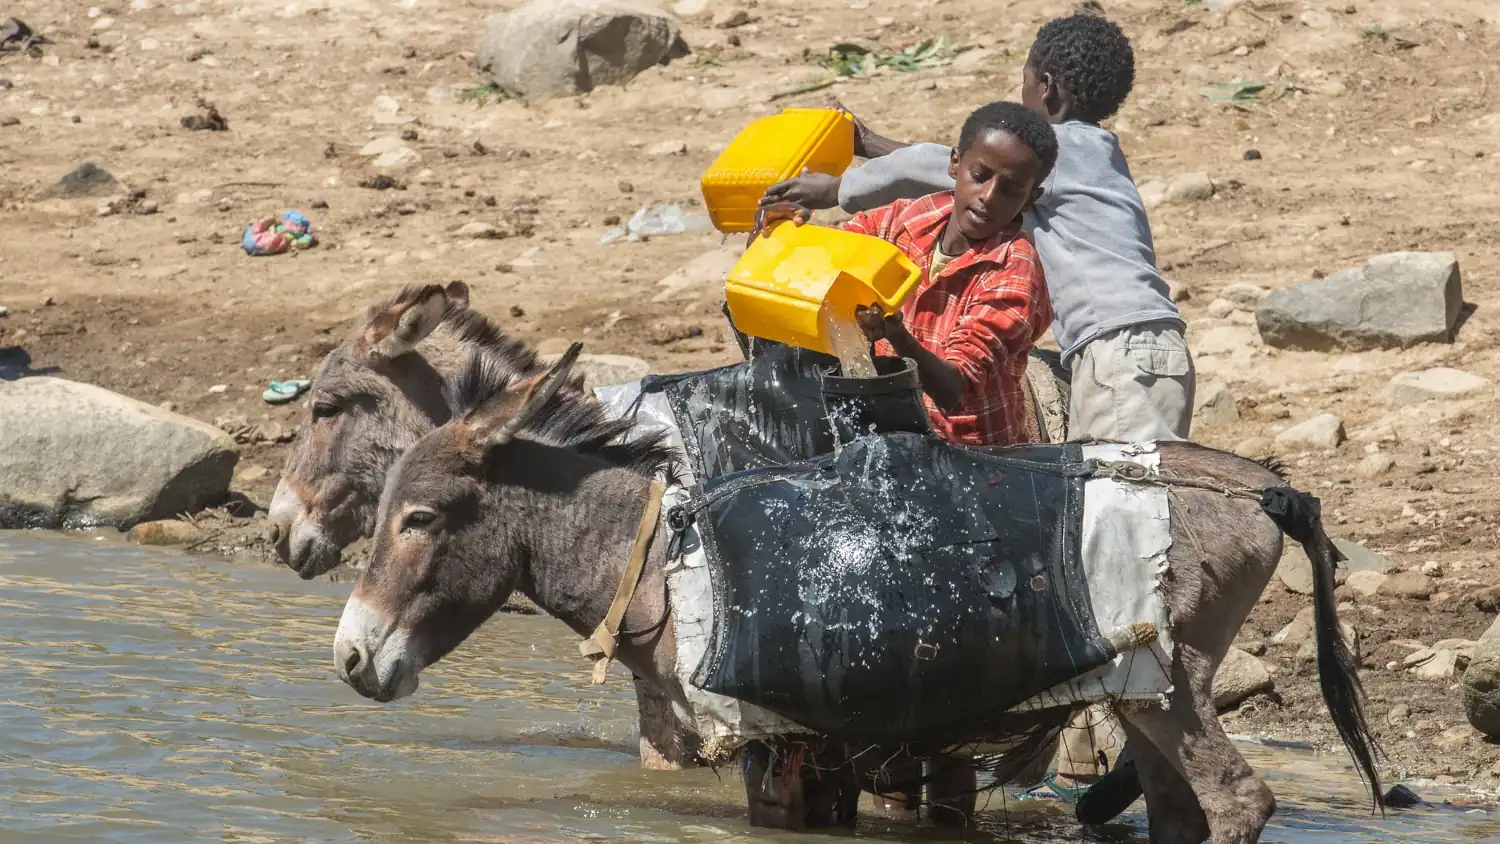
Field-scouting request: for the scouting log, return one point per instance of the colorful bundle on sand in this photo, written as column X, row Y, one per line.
column 268, row 236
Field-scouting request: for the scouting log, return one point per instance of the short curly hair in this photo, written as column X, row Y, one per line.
column 1091, row 59
column 1016, row 120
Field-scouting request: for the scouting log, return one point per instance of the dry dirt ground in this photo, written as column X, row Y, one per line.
column 1381, row 132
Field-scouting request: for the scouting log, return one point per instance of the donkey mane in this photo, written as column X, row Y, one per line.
column 571, row 420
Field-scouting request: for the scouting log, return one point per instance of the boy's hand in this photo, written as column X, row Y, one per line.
column 876, row 325
column 810, row 190
column 774, row 212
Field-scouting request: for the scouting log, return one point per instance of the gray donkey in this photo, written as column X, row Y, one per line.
column 488, row 504
column 388, row 383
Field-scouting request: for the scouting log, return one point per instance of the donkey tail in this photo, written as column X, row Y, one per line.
column 1299, row 516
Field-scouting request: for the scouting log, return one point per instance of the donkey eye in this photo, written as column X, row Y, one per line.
column 324, row 410
column 418, row 520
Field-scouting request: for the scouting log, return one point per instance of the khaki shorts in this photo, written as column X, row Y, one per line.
column 1133, row 385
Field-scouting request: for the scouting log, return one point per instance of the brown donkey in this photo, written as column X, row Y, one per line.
column 390, row 382
column 486, row 505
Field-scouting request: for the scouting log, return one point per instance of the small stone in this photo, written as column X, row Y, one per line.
column 730, row 18
column 626, row 187
column 1324, row 432
column 1178, row 290
column 1255, row 448
column 219, row 389
column 1252, row 154
column 1240, row 677
column 1408, row 584
column 1432, row 663
column 1438, row 384
column 1375, row 465
column 281, row 353
column 1316, row 19
column 166, row 532
column 1221, row 308
column 9, row 120
column 1399, row 714
column 1432, row 568
column 667, row 148
column 1297, row 631
column 1243, row 294
column 479, row 231
column 251, row 474
column 1366, row 583
column 1190, row 187
column 1153, row 193
column 1214, row 406
column 1401, row 797
column 89, row 179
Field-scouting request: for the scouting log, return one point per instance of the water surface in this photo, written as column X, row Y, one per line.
column 152, row 697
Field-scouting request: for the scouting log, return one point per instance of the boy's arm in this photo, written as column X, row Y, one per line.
column 997, row 326
column 907, row 173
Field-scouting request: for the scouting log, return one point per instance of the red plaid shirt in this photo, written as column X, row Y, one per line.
column 983, row 313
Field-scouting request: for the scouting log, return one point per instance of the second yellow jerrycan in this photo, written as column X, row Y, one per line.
column 798, row 284
column 770, row 150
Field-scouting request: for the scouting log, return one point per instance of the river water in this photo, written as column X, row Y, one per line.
column 151, row 697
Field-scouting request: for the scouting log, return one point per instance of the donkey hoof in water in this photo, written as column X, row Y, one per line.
column 786, row 796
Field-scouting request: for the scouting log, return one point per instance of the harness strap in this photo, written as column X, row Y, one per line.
column 600, row 646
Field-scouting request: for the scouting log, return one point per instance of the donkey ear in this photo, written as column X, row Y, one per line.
column 499, row 420
column 458, row 295
column 399, row 328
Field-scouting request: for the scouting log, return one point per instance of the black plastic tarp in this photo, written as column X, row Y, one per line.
column 901, row 589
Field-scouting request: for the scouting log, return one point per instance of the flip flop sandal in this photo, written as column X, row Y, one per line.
column 281, row 392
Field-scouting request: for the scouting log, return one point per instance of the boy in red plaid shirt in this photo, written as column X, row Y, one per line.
column 982, row 303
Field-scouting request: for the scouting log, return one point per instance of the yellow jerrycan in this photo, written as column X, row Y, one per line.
column 773, row 149
column 799, row 285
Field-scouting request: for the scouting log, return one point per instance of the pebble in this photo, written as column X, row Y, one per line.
column 1243, row 294
column 10, row 120
column 1432, row 568
column 251, row 474
column 479, row 231
column 1254, row 448
column 167, row 532
column 1190, row 187
column 1375, row 465
column 1252, row 155
column 1221, row 308
column 730, row 18
column 1438, row 384
column 1323, row 432
column 4, row 312
column 1408, row 584
column 1399, row 714
column 667, row 148
column 1366, row 583
column 219, row 389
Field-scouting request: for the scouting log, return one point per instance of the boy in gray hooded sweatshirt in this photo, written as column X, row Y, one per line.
column 1133, row 378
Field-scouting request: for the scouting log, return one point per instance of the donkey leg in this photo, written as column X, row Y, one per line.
column 666, row 745
column 772, row 804
column 1172, row 811
column 1236, row 802
column 952, row 791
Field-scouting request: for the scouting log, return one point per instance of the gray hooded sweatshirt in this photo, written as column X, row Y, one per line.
column 1090, row 229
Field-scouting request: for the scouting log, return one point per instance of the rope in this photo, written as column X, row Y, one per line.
column 1135, row 473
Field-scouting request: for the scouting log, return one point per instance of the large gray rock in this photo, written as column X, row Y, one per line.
column 556, row 48
column 1393, row 302
column 1482, row 684
column 74, row 454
